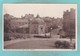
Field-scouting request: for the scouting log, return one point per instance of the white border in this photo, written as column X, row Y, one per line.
column 36, row 49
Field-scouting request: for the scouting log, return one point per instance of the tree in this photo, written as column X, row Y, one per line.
column 7, row 27
column 6, row 23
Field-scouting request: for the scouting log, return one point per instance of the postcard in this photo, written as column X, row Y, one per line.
column 39, row 28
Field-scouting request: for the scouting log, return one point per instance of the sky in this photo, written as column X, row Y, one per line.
column 51, row 10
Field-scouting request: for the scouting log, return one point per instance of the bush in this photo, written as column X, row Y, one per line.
column 74, row 45
column 62, row 44
column 66, row 44
column 6, row 37
column 57, row 44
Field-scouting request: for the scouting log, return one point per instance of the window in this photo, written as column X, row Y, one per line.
column 41, row 28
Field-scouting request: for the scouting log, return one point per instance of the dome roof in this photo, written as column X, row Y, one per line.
column 37, row 21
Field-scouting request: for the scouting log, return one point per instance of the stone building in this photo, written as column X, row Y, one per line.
column 69, row 22
column 37, row 25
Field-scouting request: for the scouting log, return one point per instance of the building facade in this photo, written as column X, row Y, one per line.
column 37, row 26
column 69, row 22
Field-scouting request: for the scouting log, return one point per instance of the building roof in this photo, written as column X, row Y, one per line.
column 37, row 20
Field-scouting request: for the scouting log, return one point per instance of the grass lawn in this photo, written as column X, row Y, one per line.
column 33, row 44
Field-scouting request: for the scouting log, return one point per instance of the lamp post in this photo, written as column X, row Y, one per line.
column 50, row 31
column 29, row 27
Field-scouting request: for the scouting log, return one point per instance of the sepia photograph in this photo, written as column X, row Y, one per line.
column 39, row 26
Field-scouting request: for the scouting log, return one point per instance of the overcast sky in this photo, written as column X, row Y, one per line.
column 52, row 10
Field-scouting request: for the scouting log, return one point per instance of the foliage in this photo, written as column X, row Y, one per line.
column 7, row 22
column 62, row 44
column 6, row 37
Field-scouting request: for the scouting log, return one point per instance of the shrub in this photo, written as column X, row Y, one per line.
column 6, row 37
column 57, row 44
column 19, row 36
column 74, row 45
column 66, row 44
column 62, row 44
